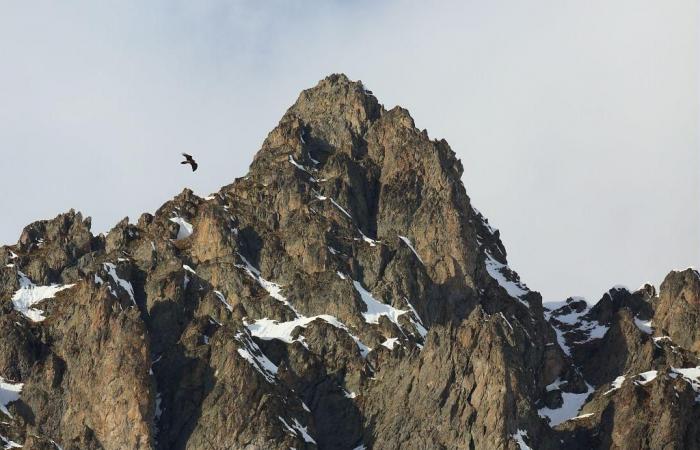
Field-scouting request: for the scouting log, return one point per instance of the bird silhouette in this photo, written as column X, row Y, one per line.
column 189, row 160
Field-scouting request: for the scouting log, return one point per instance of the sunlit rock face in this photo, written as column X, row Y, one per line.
column 344, row 294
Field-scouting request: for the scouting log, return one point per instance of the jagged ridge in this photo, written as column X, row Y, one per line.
column 344, row 294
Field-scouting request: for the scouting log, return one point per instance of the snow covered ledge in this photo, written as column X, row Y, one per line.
column 29, row 294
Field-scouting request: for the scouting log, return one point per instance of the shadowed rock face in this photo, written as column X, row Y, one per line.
column 344, row 294
column 643, row 386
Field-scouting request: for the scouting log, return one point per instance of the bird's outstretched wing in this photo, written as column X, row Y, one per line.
column 189, row 160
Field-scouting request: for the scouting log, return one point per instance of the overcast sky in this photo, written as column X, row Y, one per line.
column 576, row 121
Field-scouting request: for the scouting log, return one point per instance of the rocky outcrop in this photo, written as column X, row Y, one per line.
column 640, row 414
column 643, row 388
column 344, row 294
column 678, row 308
column 469, row 387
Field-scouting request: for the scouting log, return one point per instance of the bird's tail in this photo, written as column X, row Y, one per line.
column 184, row 162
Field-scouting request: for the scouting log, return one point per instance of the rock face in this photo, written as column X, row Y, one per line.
column 343, row 295
column 678, row 308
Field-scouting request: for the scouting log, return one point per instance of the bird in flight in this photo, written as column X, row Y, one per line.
column 189, row 160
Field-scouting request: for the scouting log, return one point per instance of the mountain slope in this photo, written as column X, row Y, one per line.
column 344, row 294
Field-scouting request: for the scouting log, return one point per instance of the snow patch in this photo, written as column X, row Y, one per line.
column 644, row 325
column 341, row 208
column 690, row 372
column 498, row 272
column 692, row 376
column 661, row 338
column 420, row 329
column 418, row 323
column 268, row 329
column 555, row 385
column 500, row 313
column 572, row 404
column 185, row 229
column 30, row 294
column 295, row 428
column 302, row 168
column 408, row 243
column 647, row 377
column 274, row 289
column 286, row 425
column 376, row 309
column 615, row 385
column 112, row 272
column 370, row 241
column 390, row 343
column 252, row 353
column 221, row 298
column 303, row 431
column 349, row 394
column 519, row 439
column 595, row 330
column 8, row 444
column 561, row 340
column 592, row 328
column 9, row 392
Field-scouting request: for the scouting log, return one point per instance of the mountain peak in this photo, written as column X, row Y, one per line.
column 345, row 278
column 339, row 101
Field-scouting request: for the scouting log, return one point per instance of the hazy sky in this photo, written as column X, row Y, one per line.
column 576, row 121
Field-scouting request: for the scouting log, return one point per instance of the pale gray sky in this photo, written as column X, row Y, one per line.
column 577, row 121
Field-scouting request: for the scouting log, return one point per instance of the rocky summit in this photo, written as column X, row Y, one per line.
column 344, row 294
